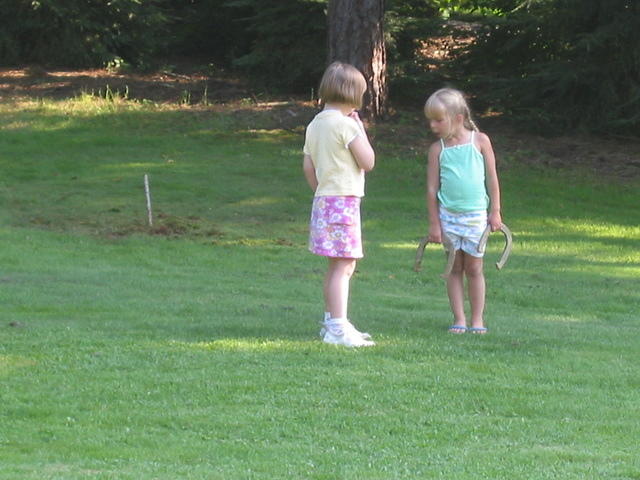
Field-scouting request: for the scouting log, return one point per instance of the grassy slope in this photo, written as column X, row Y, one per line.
column 192, row 352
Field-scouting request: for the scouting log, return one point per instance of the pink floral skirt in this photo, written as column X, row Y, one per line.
column 335, row 227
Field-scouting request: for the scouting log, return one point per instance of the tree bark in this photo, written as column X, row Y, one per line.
column 356, row 36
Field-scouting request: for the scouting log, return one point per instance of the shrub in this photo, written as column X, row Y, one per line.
column 288, row 51
column 81, row 33
column 563, row 64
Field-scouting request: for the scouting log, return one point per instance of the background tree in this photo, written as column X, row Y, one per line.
column 555, row 65
column 355, row 29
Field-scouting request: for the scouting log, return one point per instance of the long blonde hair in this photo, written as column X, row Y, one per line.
column 450, row 102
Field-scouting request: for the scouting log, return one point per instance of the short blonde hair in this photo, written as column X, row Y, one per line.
column 449, row 102
column 342, row 83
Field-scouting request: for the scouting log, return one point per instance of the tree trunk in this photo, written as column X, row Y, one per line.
column 356, row 37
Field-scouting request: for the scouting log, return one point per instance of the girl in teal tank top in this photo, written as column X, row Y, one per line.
column 462, row 177
column 463, row 196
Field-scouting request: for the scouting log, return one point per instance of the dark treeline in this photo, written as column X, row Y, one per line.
column 556, row 64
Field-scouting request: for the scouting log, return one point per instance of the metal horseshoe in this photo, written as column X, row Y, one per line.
column 482, row 245
column 451, row 253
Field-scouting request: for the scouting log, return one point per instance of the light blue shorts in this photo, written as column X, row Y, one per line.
column 463, row 230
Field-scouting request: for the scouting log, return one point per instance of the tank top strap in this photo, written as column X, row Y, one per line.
column 442, row 143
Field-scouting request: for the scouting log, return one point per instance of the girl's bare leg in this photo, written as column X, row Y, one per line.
column 336, row 286
column 455, row 289
column 473, row 268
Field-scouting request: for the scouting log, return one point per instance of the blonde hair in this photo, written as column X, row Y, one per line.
column 342, row 83
column 449, row 102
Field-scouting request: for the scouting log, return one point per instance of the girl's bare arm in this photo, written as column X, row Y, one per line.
column 493, row 185
column 310, row 172
column 360, row 147
column 433, row 185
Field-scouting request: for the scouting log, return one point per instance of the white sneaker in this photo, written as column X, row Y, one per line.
column 364, row 335
column 344, row 333
column 323, row 330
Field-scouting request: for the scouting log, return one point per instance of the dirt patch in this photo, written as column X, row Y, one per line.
column 163, row 86
column 608, row 158
column 440, row 49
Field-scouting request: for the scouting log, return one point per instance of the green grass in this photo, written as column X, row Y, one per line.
column 189, row 349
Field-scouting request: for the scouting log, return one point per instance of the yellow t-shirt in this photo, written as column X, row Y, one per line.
column 327, row 143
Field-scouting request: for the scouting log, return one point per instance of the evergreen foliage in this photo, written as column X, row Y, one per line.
column 80, row 33
column 288, row 48
column 215, row 29
column 562, row 64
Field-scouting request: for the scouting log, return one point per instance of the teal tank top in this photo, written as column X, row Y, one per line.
column 462, row 178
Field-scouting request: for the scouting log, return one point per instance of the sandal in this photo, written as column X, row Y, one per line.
column 457, row 329
column 479, row 330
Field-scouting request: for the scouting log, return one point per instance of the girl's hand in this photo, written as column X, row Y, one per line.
column 435, row 235
column 495, row 220
column 356, row 117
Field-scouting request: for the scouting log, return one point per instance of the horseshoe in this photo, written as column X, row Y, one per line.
column 451, row 255
column 482, row 245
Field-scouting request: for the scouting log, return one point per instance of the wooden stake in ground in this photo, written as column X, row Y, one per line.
column 147, row 192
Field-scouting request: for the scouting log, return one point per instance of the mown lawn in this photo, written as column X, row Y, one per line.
column 189, row 349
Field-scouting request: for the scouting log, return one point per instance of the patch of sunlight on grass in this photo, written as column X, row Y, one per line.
column 566, row 318
column 399, row 245
column 85, row 104
column 12, row 362
column 15, row 126
column 209, row 132
column 274, row 134
column 13, row 104
column 244, row 345
column 135, row 165
column 621, row 271
column 40, row 124
column 258, row 201
column 254, row 242
column 562, row 245
column 598, row 229
column 271, row 105
column 582, row 227
column 594, row 254
column 495, row 246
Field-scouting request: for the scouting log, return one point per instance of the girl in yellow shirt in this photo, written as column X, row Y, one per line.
column 337, row 153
